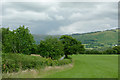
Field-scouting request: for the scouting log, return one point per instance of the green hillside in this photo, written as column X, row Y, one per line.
column 38, row 37
column 97, row 40
column 100, row 39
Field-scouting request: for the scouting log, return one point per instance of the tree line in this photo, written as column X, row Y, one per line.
column 22, row 41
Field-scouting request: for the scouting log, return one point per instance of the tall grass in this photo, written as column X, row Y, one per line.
column 15, row 62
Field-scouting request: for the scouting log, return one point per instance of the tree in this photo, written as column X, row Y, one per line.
column 34, row 49
column 117, row 49
column 71, row 45
column 7, row 40
column 0, row 39
column 24, row 40
column 109, row 51
column 114, row 50
column 92, row 52
column 17, row 41
column 51, row 48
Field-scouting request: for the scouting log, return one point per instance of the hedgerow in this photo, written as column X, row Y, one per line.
column 15, row 62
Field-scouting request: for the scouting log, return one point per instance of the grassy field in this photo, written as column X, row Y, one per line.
column 84, row 66
column 91, row 66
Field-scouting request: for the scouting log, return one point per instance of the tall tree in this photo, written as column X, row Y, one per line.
column 17, row 41
column 24, row 40
column 0, row 39
column 71, row 45
column 6, row 40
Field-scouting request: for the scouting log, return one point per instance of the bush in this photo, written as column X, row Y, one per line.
column 110, row 51
column 15, row 62
column 116, row 49
column 51, row 48
column 92, row 52
column 64, row 62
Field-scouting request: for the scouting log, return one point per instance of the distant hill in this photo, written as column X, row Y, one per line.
column 96, row 40
column 99, row 39
column 38, row 37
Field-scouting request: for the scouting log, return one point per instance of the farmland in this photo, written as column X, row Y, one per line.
column 91, row 66
column 83, row 66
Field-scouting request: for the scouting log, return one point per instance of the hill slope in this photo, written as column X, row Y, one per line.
column 100, row 39
column 96, row 40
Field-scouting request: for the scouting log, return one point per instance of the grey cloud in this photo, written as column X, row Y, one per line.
column 29, row 6
column 54, row 18
column 85, row 26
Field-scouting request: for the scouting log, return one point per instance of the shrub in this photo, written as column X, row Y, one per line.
column 64, row 62
column 110, row 51
column 15, row 62
column 51, row 48
column 92, row 52
column 116, row 49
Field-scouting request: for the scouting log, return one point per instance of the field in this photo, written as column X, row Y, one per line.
column 91, row 66
column 84, row 66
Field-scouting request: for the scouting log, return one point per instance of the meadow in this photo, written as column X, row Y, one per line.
column 83, row 66
column 90, row 66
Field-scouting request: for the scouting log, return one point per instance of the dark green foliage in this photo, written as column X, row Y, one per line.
column 114, row 50
column 6, row 40
column 24, row 40
column 15, row 62
column 34, row 49
column 17, row 41
column 92, row 52
column 51, row 48
column 71, row 45
column 0, row 39
column 109, row 51
column 117, row 49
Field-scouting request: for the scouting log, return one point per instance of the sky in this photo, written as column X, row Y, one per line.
column 57, row 18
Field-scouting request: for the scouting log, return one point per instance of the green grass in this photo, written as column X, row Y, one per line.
column 91, row 66
column 84, row 66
